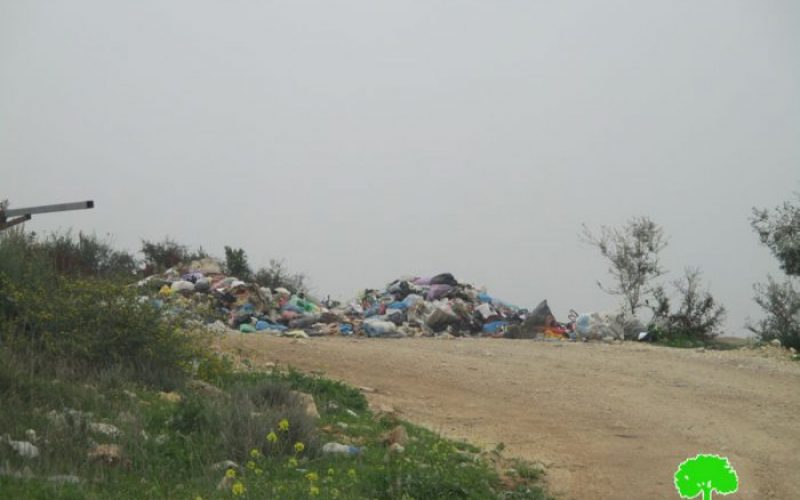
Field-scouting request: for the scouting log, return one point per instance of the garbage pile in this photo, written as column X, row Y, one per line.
column 226, row 302
column 406, row 307
column 416, row 306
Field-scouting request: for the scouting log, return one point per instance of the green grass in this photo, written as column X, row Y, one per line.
column 717, row 344
column 681, row 342
column 202, row 430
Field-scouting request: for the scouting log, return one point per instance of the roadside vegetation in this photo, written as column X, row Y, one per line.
column 779, row 230
column 688, row 315
column 105, row 395
column 633, row 253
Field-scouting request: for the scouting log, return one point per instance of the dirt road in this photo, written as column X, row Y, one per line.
column 608, row 421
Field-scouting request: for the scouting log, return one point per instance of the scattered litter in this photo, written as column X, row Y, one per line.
column 297, row 334
column 398, row 435
column 225, row 465
column 25, row 449
column 109, row 454
column 308, row 403
column 340, row 449
column 170, row 397
column 105, row 429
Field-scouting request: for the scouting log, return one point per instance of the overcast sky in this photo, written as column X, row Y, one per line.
column 366, row 140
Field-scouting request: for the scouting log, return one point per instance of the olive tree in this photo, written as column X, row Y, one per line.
column 779, row 230
column 632, row 251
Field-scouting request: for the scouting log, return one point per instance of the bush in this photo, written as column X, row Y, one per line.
column 160, row 256
column 697, row 319
column 61, row 253
column 779, row 230
column 239, row 422
column 781, row 302
column 236, row 263
column 277, row 275
column 88, row 256
column 91, row 325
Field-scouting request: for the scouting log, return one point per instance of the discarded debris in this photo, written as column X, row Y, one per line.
column 109, row 454
column 107, row 430
column 308, row 403
column 170, row 397
column 398, row 435
column 24, row 449
column 411, row 306
column 340, row 449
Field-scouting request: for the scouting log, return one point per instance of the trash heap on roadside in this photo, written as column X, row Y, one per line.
column 416, row 306
column 207, row 295
column 406, row 307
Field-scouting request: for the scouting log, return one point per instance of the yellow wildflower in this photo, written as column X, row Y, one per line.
column 255, row 453
column 230, row 473
column 299, row 447
column 352, row 473
column 292, row 462
column 251, row 465
column 238, row 488
column 283, row 425
column 272, row 437
column 312, row 476
column 313, row 491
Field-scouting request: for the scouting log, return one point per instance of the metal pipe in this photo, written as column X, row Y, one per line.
column 43, row 209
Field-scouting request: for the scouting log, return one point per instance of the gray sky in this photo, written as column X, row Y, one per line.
column 367, row 140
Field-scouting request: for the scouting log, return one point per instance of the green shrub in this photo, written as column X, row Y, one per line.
column 213, row 367
column 93, row 325
column 240, row 421
column 781, row 303
column 277, row 275
column 779, row 230
column 697, row 318
column 62, row 253
column 160, row 256
column 236, row 263
column 87, row 256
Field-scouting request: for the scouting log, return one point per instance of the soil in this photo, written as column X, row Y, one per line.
column 608, row 421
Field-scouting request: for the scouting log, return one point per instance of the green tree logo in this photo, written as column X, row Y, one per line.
column 706, row 474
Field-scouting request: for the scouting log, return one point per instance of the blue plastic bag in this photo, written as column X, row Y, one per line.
column 494, row 326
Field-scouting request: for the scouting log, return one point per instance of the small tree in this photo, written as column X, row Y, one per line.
column 781, row 303
column 277, row 275
column 779, row 230
column 236, row 263
column 162, row 255
column 705, row 474
column 633, row 253
column 698, row 317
